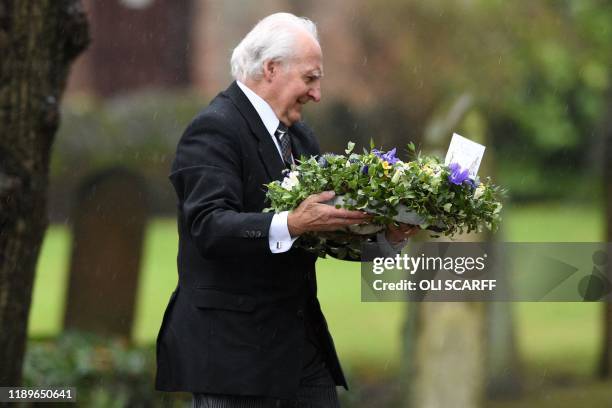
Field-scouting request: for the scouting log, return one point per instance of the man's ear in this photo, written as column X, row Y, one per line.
column 270, row 69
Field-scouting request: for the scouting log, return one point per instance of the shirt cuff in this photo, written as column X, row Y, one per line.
column 388, row 249
column 278, row 237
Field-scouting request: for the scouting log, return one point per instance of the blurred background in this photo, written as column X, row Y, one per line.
column 529, row 79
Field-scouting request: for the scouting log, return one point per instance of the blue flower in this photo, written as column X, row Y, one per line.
column 457, row 175
column 389, row 157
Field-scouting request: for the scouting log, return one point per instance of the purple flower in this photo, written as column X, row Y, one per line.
column 389, row 157
column 364, row 169
column 457, row 175
column 322, row 162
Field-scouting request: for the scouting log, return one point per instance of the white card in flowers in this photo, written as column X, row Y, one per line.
column 466, row 153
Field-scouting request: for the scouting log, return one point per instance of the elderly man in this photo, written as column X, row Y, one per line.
column 244, row 327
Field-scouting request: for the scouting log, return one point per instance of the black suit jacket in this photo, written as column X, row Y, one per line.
column 236, row 323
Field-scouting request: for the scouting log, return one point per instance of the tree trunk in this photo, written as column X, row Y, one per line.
column 605, row 361
column 445, row 343
column 449, row 358
column 38, row 41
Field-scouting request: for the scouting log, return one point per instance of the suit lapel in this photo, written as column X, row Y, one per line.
column 268, row 153
column 302, row 141
column 297, row 146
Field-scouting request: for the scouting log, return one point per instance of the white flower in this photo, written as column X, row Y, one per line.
column 291, row 180
column 479, row 191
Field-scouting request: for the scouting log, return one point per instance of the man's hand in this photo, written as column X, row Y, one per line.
column 311, row 215
column 396, row 234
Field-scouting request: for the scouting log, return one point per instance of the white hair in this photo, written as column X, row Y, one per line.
column 272, row 39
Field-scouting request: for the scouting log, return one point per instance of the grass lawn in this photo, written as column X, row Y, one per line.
column 553, row 337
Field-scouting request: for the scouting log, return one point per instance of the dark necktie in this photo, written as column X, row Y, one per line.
column 284, row 140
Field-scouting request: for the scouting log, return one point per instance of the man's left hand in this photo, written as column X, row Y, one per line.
column 398, row 233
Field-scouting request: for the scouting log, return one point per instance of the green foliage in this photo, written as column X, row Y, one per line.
column 378, row 183
column 106, row 372
column 539, row 70
column 138, row 132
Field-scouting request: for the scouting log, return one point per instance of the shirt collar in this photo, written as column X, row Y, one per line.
column 264, row 110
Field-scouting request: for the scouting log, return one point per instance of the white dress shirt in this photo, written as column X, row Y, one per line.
column 279, row 238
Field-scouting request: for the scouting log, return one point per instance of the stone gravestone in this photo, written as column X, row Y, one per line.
column 109, row 218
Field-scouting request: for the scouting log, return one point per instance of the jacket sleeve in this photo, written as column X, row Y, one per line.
column 207, row 177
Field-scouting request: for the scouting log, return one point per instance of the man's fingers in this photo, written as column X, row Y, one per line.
column 318, row 198
column 351, row 215
column 412, row 230
column 347, row 221
column 403, row 227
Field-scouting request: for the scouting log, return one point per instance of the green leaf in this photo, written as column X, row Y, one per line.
column 437, row 201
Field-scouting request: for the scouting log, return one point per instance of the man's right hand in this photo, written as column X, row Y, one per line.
column 312, row 215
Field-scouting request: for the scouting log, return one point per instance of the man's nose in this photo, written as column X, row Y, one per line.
column 315, row 93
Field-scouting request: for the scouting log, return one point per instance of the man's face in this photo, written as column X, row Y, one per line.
column 297, row 81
